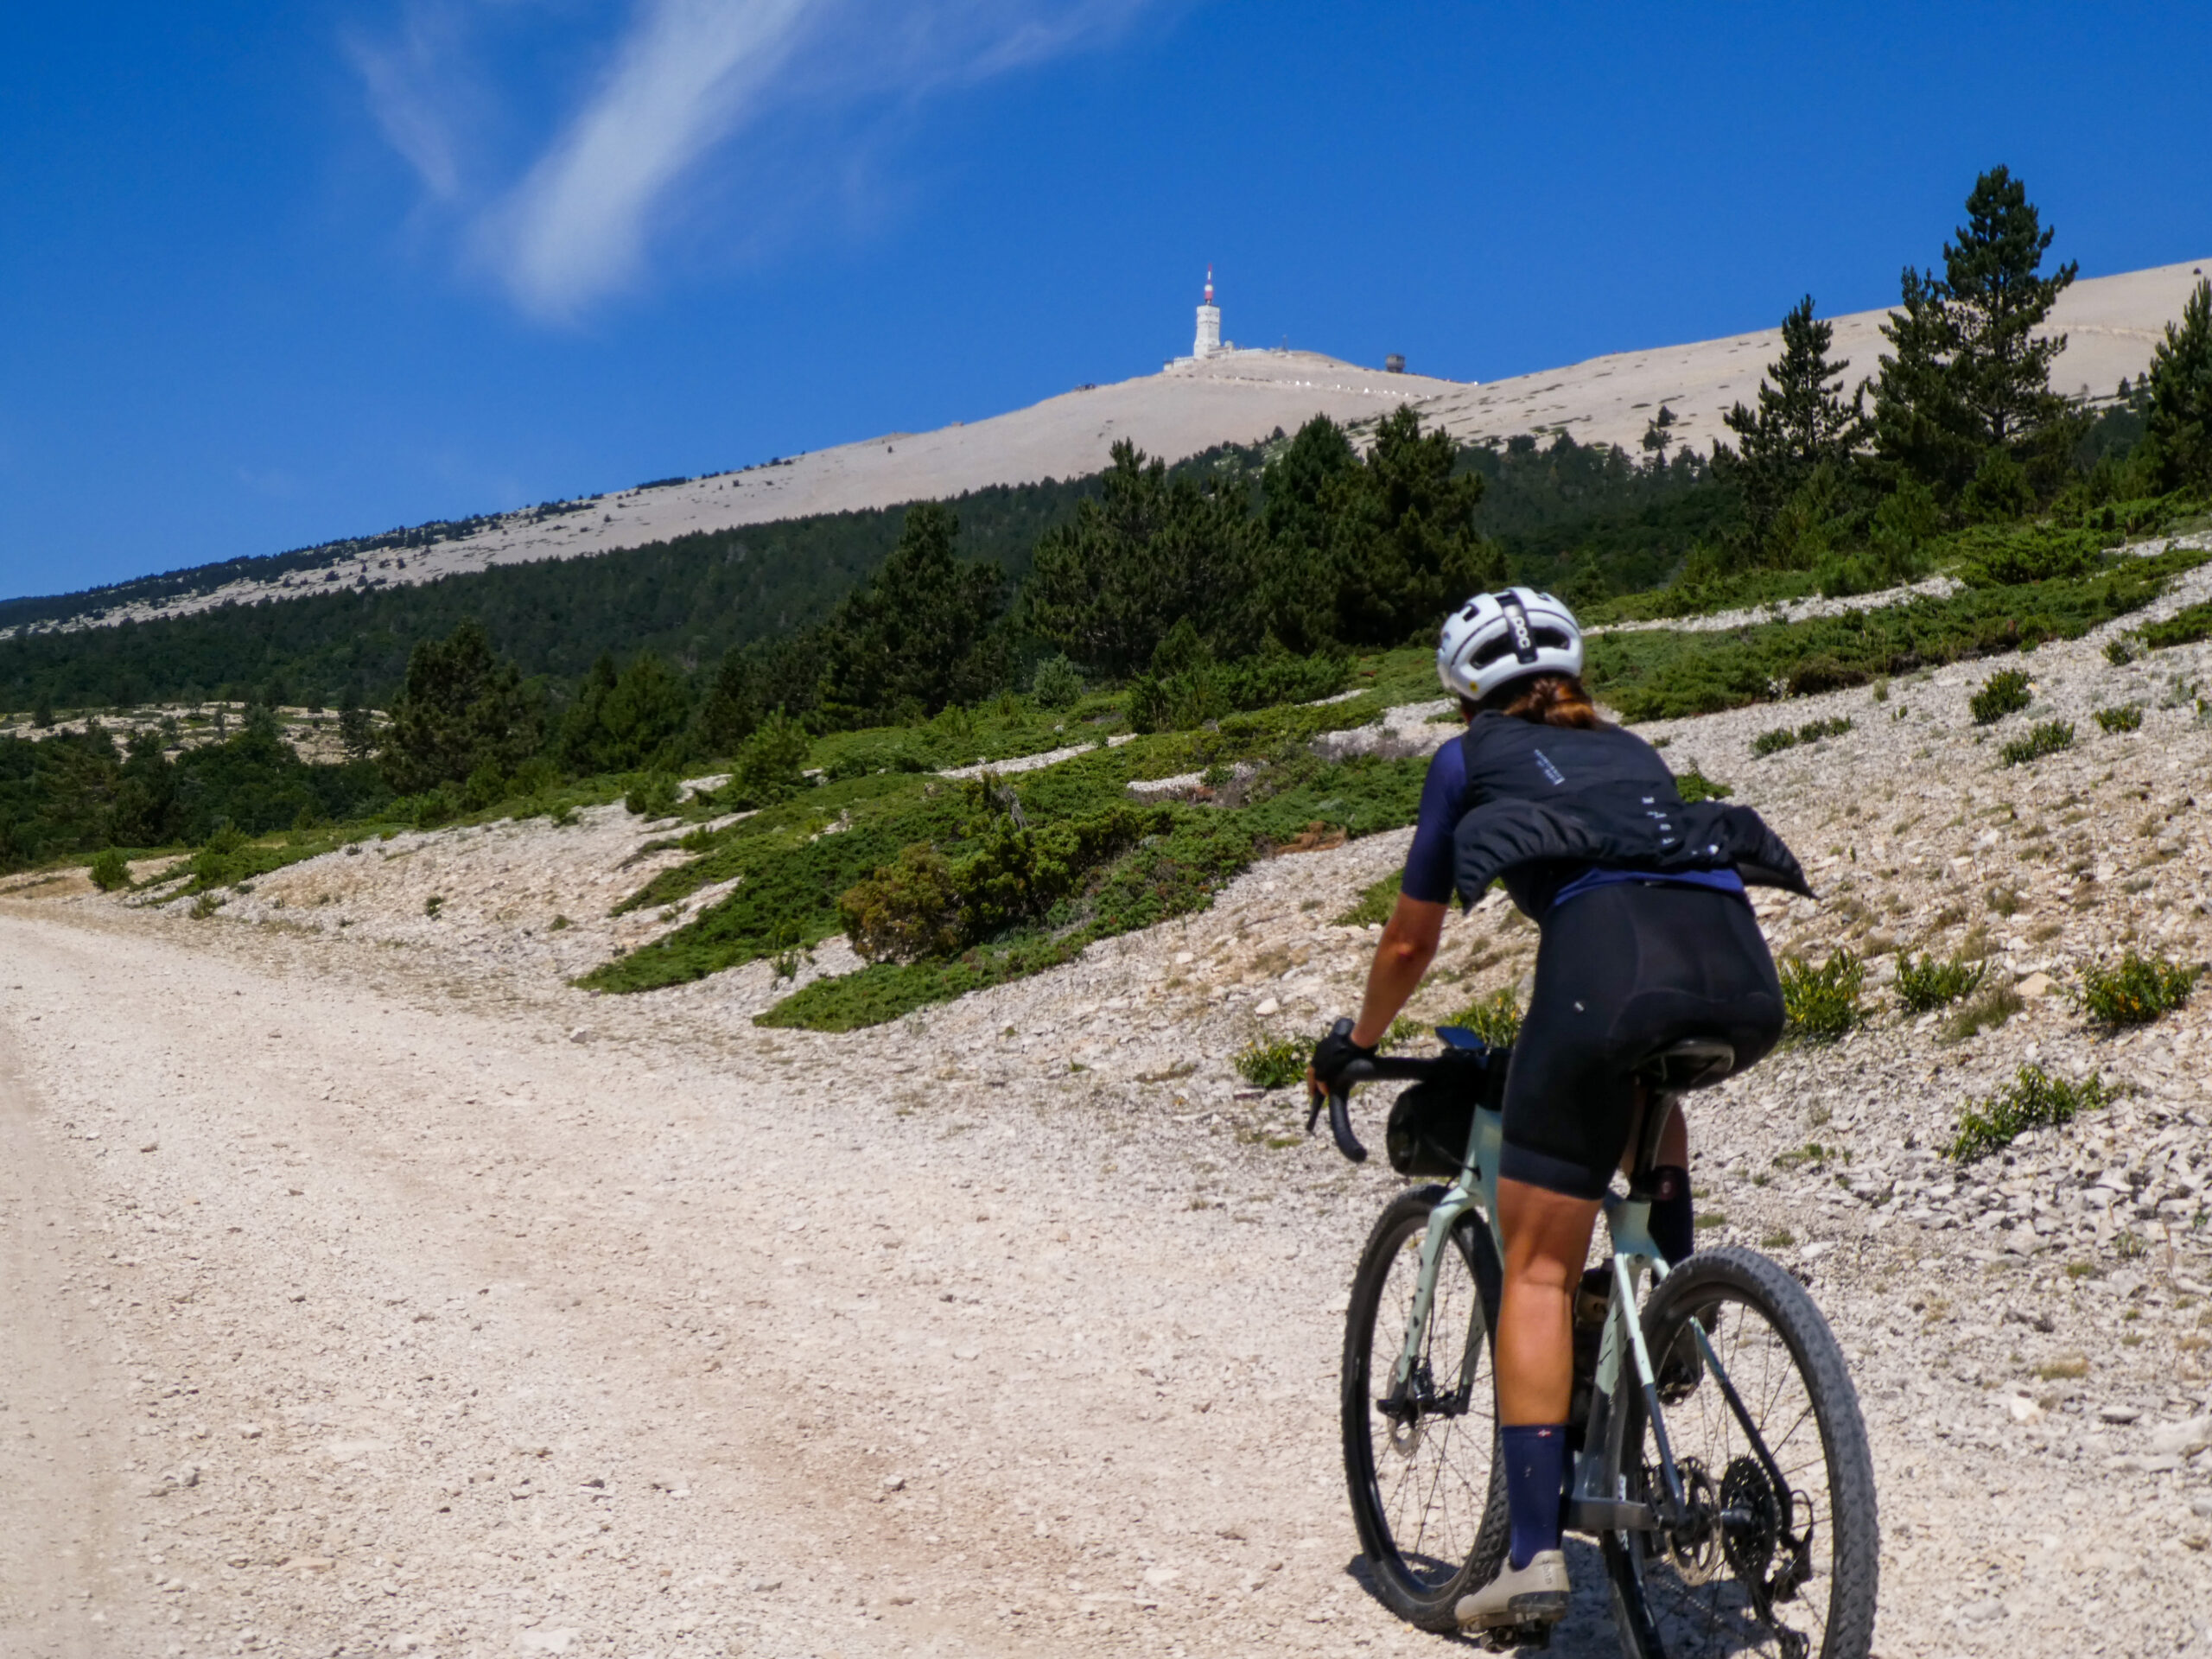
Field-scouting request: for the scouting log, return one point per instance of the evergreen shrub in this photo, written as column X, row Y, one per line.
column 1496, row 1019
column 2128, row 718
column 2137, row 989
column 2003, row 693
column 109, row 871
column 1821, row 1003
column 2033, row 1100
column 2049, row 738
column 1058, row 682
column 1924, row 984
column 1273, row 1063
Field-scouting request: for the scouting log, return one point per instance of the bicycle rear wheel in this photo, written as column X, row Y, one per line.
column 1427, row 1486
column 1780, row 1553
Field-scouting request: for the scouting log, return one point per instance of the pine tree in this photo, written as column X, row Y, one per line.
column 918, row 634
column 1803, row 420
column 1144, row 554
column 357, row 731
column 2180, row 396
column 1374, row 551
column 1997, row 299
column 1658, row 434
column 461, row 706
column 1966, row 373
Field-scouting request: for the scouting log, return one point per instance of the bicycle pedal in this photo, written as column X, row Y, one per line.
column 1509, row 1638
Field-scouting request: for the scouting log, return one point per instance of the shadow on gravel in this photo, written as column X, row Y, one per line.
column 1587, row 1632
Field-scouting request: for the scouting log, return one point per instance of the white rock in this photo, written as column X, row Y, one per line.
column 2023, row 1409
column 1266, row 1006
column 581, row 1034
column 2181, row 1440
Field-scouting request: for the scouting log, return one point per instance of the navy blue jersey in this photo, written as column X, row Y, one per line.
column 1515, row 768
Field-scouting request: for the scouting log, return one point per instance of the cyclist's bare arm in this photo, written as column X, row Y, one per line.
column 1402, row 956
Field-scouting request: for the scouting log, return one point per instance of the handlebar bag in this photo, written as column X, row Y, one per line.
column 1431, row 1125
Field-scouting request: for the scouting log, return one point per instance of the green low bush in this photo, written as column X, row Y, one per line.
column 2137, row 989
column 1058, row 683
column 1375, row 902
column 2128, row 718
column 655, row 795
column 2049, row 738
column 1781, row 737
column 1821, row 1003
column 2033, row 1100
column 1496, row 1019
column 1693, row 786
column 1657, row 674
column 2184, row 627
column 1273, row 1063
column 109, row 871
column 2013, row 555
column 2003, row 693
column 1923, row 984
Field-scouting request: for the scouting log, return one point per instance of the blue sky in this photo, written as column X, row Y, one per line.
column 271, row 275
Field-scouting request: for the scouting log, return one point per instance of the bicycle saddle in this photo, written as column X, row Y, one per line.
column 1693, row 1063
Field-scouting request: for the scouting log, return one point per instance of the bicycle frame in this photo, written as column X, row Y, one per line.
column 1597, row 1495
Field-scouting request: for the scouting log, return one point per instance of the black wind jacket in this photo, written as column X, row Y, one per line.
column 1554, row 802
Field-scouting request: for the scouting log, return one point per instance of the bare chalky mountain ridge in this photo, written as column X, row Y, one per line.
column 2112, row 325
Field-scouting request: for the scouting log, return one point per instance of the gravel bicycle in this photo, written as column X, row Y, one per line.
column 1718, row 1456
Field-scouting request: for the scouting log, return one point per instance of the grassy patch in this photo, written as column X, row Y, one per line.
column 2135, row 990
column 2034, row 1099
column 1375, row 902
column 2003, row 693
column 1693, row 786
column 1924, row 984
column 1985, row 1013
column 2128, row 718
column 1496, row 1019
column 1273, row 1064
column 2049, row 738
column 1822, row 1003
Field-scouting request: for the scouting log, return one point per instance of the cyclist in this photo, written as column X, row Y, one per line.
column 1645, row 937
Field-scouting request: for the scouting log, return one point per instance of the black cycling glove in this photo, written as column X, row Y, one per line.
column 1336, row 1051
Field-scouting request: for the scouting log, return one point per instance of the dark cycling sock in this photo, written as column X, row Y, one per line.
column 1674, row 1226
column 1535, row 1470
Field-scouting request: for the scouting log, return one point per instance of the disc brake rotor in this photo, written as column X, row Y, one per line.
column 1693, row 1548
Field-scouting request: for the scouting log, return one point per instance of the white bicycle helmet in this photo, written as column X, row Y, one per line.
column 1495, row 638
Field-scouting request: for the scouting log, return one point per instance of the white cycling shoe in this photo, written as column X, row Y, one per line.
column 1535, row 1595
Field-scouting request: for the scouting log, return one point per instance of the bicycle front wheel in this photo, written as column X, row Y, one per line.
column 1778, row 1553
column 1422, row 1456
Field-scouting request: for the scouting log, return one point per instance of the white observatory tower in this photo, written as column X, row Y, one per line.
column 1208, row 343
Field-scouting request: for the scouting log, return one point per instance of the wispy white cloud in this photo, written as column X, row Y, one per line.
column 686, row 80
column 410, row 95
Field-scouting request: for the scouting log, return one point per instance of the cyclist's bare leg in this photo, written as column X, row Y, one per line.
column 1547, row 1239
column 1547, row 1236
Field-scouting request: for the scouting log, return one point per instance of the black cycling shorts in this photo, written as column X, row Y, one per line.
column 1621, row 971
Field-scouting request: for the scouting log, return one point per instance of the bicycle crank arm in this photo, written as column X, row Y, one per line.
column 1596, row 1515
